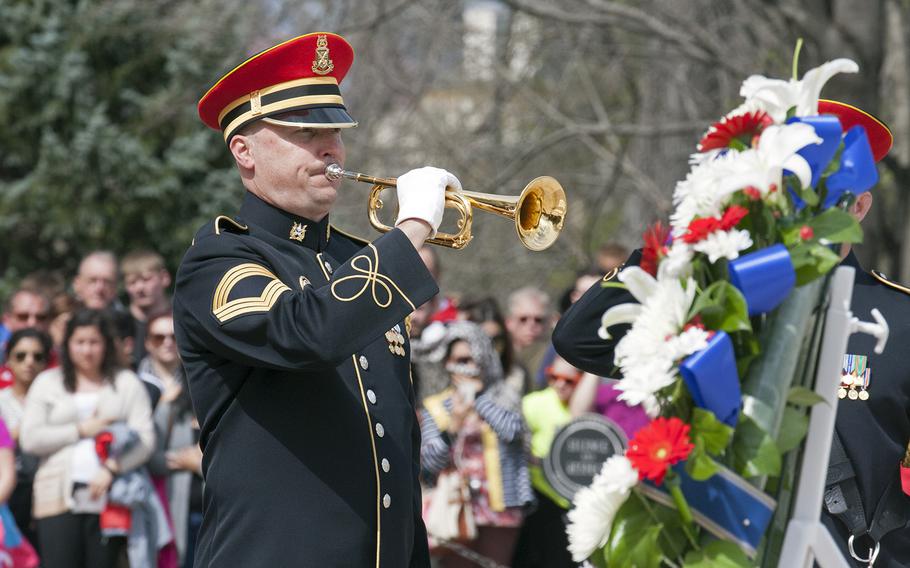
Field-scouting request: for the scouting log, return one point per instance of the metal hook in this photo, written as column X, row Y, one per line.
column 873, row 552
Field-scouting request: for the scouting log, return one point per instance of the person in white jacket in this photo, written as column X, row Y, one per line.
column 64, row 410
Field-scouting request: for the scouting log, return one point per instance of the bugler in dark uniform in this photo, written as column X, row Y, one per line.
column 873, row 420
column 294, row 341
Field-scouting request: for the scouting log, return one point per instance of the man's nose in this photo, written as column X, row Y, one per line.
column 332, row 146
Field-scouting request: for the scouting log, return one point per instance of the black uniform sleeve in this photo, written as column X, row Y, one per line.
column 575, row 337
column 241, row 310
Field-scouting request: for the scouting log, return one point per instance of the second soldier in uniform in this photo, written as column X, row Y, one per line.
column 865, row 510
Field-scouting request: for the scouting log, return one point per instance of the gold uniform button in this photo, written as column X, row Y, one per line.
column 371, row 396
column 386, row 466
column 380, row 430
column 364, row 363
column 386, row 500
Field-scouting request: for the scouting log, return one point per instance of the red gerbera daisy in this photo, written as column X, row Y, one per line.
column 742, row 127
column 655, row 247
column 657, row 446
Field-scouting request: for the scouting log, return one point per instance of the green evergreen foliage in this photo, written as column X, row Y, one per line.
column 101, row 146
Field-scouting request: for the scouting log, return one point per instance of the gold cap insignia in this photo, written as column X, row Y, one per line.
column 322, row 65
column 298, row 232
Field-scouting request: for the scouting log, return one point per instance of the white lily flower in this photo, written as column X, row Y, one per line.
column 623, row 313
column 641, row 285
column 777, row 97
column 595, row 507
column 724, row 244
column 646, row 355
column 763, row 167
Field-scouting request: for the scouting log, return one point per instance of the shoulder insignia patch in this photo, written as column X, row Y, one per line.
column 225, row 223
column 355, row 238
column 881, row 278
column 257, row 299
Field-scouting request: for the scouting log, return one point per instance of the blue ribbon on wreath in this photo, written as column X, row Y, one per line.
column 765, row 277
column 712, row 379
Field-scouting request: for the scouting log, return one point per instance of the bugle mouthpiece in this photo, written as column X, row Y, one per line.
column 334, row 172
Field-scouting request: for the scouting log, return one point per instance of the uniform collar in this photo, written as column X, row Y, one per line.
column 861, row 276
column 284, row 225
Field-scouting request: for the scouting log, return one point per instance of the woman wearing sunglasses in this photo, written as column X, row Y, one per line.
column 27, row 355
column 177, row 460
column 474, row 430
column 65, row 409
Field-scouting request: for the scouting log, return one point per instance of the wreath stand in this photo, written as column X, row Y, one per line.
column 806, row 539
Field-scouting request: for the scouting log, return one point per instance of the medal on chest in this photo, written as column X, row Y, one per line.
column 854, row 379
column 396, row 340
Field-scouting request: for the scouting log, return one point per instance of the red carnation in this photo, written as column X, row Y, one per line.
column 657, row 446
column 742, row 127
column 699, row 229
column 103, row 443
column 655, row 247
column 732, row 216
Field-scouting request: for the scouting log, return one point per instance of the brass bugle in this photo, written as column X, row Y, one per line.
column 538, row 212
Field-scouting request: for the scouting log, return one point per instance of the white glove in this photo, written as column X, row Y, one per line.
column 421, row 195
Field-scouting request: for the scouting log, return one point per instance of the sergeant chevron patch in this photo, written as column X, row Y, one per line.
column 224, row 309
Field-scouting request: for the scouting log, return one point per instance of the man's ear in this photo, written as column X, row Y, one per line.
column 241, row 147
column 862, row 205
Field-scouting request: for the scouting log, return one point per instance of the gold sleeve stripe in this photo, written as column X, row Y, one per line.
column 225, row 310
column 232, row 277
column 244, row 306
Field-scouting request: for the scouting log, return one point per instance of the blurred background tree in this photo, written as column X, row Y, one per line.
column 102, row 148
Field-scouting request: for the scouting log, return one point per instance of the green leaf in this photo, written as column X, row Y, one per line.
column 754, row 452
column 624, row 548
column 634, row 537
column 717, row 554
column 715, row 434
column 699, row 464
column 837, row 226
column 747, row 348
column 793, row 428
column 598, row 559
column 803, row 396
column 807, row 194
column 811, row 260
column 722, row 307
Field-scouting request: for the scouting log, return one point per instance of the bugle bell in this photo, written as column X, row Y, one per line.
column 538, row 212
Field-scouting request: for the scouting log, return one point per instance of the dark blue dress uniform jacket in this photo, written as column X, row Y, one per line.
column 874, row 432
column 297, row 359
